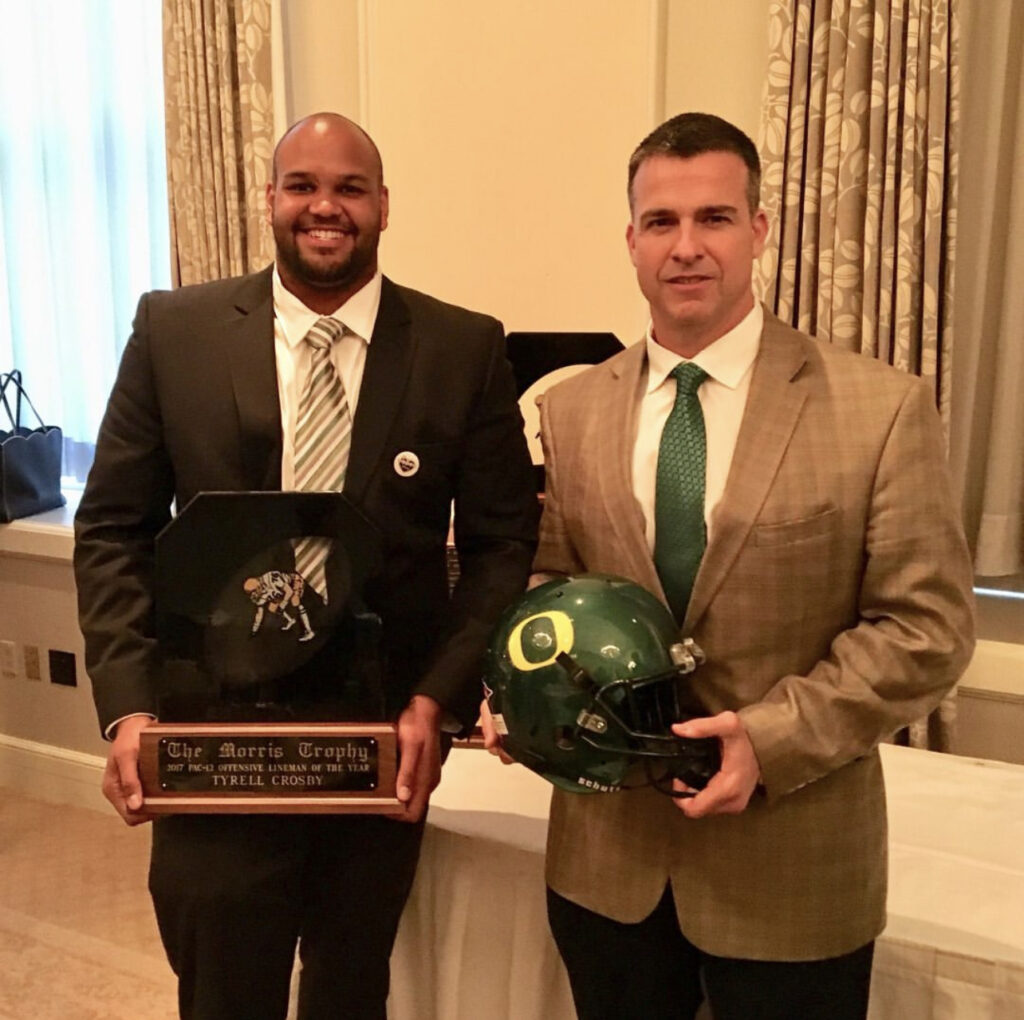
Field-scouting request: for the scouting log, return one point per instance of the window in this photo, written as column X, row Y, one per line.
column 83, row 199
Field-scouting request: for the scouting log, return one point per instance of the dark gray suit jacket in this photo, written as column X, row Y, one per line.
column 195, row 408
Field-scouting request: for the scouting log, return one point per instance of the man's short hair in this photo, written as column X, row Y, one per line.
column 691, row 134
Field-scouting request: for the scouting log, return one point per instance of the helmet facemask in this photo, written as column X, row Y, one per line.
column 643, row 711
column 585, row 677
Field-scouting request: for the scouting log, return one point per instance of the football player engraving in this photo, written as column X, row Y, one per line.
column 585, row 676
column 277, row 590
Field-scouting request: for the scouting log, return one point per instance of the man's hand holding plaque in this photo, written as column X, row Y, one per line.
column 419, row 748
column 121, row 783
column 271, row 690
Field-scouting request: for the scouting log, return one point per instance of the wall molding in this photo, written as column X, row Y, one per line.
column 366, row 19
column 54, row 774
column 995, row 672
column 658, row 19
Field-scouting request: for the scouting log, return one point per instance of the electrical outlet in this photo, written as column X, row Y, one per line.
column 32, row 667
column 62, row 668
column 8, row 660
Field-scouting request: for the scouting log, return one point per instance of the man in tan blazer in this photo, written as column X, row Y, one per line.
column 832, row 600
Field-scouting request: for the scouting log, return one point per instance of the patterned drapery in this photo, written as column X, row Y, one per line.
column 859, row 150
column 220, row 135
column 860, row 167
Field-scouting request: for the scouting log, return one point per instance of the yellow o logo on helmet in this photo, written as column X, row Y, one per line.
column 562, row 626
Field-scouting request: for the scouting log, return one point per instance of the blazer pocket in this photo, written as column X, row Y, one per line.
column 801, row 530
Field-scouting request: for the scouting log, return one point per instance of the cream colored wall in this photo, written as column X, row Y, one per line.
column 506, row 126
column 717, row 59
column 321, row 57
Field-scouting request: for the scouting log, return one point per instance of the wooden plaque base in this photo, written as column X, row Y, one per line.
column 269, row 768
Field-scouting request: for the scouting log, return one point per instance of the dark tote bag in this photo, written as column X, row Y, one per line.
column 29, row 458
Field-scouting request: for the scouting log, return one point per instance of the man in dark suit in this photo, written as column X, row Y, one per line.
column 209, row 397
column 811, row 548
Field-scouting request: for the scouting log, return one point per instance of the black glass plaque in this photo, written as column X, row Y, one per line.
column 252, row 647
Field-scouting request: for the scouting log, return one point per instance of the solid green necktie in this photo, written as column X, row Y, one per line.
column 680, row 534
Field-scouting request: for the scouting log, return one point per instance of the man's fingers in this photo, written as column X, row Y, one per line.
column 729, row 790
column 487, row 727
column 405, row 783
column 722, row 725
column 419, row 755
column 112, row 786
column 123, row 790
column 121, row 785
column 492, row 741
column 418, row 804
column 128, row 769
column 717, row 797
column 416, row 780
column 679, row 787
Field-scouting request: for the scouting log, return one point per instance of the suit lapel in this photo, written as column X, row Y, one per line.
column 249, row 338
column 773, row 408
column 388, row 362
column 618, row 410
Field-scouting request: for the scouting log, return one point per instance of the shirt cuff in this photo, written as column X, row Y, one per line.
column 108, row 733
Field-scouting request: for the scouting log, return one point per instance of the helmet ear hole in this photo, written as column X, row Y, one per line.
column 565, row 738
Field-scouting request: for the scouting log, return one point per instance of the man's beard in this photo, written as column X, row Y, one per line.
column 325, row 275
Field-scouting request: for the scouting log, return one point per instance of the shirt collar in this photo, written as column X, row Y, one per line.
column 726, row 360
column 358, row 313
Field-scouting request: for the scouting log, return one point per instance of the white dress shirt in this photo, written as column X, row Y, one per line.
column 729, row 363
column 292, row 321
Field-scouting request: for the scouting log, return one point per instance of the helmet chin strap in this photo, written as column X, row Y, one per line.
column 578, row 676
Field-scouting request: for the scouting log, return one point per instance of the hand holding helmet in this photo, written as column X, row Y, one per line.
column 584, row 678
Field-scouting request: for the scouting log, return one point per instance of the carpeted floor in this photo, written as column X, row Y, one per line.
column 77, row 936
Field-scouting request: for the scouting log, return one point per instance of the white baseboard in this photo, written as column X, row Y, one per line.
column 50, row 773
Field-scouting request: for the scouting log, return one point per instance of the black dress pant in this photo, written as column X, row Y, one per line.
column 650, row 971
column 235, row 893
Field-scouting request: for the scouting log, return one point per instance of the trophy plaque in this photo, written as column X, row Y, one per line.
column 268, row 767
column 271, row 683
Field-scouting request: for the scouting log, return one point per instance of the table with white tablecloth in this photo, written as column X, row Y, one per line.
column 474, row 941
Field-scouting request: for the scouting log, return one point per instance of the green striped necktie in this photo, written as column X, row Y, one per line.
column 323, row 435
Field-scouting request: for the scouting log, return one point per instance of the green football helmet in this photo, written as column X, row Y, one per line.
column 585, row 676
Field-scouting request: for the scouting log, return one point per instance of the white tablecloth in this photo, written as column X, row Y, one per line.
column 474, row 940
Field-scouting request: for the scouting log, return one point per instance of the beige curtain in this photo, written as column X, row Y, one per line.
column 987, row 431
column 860, row 150
column 859, row 143
column 220, row 135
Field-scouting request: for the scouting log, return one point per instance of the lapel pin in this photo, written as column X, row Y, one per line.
column 406, row 464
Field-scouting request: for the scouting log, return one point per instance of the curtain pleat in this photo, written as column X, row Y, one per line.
column 859, row 139
column 987, row 432
column 220, row 135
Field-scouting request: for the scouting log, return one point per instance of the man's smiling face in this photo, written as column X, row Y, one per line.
column 693, row 239
column 327, row 206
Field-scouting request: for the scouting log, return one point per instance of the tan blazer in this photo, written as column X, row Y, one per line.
column 834, row 606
